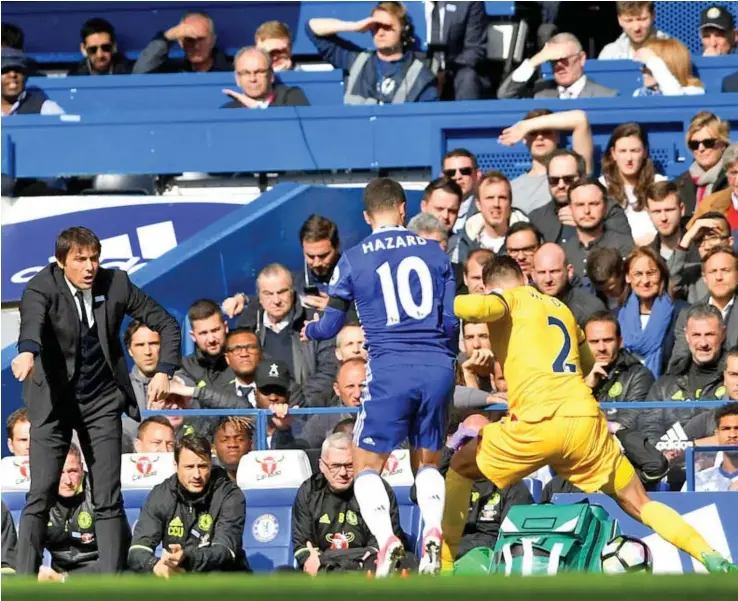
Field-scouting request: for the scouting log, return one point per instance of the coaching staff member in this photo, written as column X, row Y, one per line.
column 75, row 377
column 197, row 515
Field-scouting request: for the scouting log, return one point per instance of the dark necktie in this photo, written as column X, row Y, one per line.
column 81, row 299
column 435, row 38
column 244, row 391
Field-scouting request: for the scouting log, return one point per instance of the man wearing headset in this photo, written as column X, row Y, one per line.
column 389, row 74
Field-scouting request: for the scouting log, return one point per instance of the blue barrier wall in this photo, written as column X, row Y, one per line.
column 225, row 257
column 52, row 28
column 326, row 138
column 175, row 91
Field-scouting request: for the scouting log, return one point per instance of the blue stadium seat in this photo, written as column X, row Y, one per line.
column 410, row 518
column 535, row 487
column 267, row 537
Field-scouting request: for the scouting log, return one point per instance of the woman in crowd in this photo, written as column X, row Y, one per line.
column 667, row 69
column 627, row 173
column 541, row 131
column 707, row 138
column 647, row 319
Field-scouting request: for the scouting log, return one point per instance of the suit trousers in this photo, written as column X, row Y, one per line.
column 98, row 426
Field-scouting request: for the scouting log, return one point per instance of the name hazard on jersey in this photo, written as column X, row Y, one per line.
column 391, row 243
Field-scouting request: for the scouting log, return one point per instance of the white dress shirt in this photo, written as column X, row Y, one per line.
column 87, row 297
column 275, row 327
column 441, row 15
column 251, row 398
column 574, row 90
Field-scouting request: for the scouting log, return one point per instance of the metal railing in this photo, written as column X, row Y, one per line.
column 261, row 415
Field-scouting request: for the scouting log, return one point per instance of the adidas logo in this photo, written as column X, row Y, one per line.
column 675, row 439
column 368, row 440
column 324, row 519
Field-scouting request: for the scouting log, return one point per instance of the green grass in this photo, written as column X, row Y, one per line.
column 287, row 587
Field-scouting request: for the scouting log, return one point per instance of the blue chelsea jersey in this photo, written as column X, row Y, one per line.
column 403, row 287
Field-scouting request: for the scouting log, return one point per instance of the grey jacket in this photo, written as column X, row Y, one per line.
column 547, row 88
column 686, row 276
column 546, row 219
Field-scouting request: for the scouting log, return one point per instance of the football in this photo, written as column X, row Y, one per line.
column 624, row 554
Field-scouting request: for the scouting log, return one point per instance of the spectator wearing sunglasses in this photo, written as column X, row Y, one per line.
column 274, row 38
column 461, row 166
column 255, row 77
column 554, row 219
column 667, row 69
column 540, row 131
column 564, row 52
column 707, row 138
column 725, row 201
column 99, row 50
column 195, row 34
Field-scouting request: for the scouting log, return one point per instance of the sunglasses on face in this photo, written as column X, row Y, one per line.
column 708, row 143
column 452, row 172
column 107, row 48
column 568, row 180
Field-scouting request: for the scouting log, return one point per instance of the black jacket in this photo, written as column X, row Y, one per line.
column 120, row 65
column 315, row 364
column 70, row 533
column 627, row 380
column 50, row 328
column 546, row 219
column 155, row 59
column 208, row 526
column 204, row 370
column 283, row 96
column 332, row 521
column 581, row 302
column 9, row 540
column 654, row 423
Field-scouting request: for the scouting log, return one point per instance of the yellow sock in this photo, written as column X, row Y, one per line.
column 455, row 514
column 671, row 526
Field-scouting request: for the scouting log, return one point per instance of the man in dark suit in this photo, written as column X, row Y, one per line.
column 564, row 52
column 457, row 44
column 75, row 378
column 255, row 77
column 730, row 83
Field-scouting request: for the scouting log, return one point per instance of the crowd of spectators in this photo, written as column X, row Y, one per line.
column 646, row 265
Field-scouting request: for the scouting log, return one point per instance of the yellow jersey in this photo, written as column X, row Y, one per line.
column 536, row 339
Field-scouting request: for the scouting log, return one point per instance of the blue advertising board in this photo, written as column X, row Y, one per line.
column 712, row 514
column 132, row 235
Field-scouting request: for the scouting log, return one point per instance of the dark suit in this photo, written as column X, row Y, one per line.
column 283, row 96
column 730, row 83
column 51, row 329
column 465, row 47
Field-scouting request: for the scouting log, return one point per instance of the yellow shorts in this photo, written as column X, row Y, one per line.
column 580, row 449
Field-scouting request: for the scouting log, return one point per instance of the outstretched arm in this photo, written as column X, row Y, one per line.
column 477, row 307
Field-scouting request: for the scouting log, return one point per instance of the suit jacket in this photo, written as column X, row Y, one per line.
column 719, row 201
column 283, row 96
column 547, row 88
column 50, row 328
column 730, row 83
column 465, row 33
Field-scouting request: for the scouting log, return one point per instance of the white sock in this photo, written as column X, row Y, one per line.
column 374, row 504
column 430, row 488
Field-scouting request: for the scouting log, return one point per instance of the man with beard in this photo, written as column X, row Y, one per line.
column 637, row 22
column 554, row 275
column 207, row 366
column 16, row 99
column 100, row 52
column 587, row 199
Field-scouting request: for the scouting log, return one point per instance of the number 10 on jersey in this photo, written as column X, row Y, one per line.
column 394, row 289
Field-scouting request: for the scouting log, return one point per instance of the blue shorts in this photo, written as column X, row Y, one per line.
column 404, row 401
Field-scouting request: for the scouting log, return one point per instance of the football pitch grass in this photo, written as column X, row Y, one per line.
column 286, row 587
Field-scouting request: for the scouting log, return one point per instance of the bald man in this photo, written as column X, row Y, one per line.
column 554, row 275
column 488, row 504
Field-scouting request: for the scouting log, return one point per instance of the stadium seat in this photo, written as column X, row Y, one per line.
column 270, row 480
column 145, row 470
column 535, row 487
